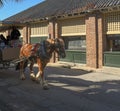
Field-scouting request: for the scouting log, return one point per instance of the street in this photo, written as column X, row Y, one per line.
column 69, row 90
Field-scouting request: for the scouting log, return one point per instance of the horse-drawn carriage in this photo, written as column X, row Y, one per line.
column 39, row 52
column 9, row 57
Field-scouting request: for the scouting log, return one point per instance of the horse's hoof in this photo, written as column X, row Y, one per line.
column 45, row 87
column 32, row 78
column 22, row 78
column 37, row 81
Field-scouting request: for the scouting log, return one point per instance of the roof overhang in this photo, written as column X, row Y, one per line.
column 4, row 25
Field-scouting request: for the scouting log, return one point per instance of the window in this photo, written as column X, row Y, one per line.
column 35, row 40
column 116, row 45
column 75, row 43
column 114, row 42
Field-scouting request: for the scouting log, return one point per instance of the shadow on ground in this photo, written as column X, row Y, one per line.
column 68, row 91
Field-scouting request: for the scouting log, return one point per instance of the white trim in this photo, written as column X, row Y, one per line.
column 38, row 35
column 113, row 32
column 73, row 34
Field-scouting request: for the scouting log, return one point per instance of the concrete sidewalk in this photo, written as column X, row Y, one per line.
column 93, row 75
column 105, row 69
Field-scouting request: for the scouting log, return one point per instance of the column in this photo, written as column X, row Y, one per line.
column 51, row 31
column 25, row 34
column 94, row 40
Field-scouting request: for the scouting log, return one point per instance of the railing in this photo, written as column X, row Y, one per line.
column 75, row 56
column 112, row 58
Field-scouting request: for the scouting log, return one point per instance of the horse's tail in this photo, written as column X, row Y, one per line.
column 18, row 64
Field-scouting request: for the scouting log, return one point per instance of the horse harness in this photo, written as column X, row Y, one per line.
column 40, row 50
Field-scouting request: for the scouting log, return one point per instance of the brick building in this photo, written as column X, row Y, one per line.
column 90, row 28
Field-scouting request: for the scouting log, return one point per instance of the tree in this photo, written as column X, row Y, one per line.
column 3, row 1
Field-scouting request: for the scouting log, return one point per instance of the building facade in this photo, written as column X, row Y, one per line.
column 92, row 36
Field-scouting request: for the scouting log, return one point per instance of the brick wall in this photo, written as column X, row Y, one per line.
column 25, row 34
column 29, row 34
column 51, row 31
column 100, row 30
column 94, row 40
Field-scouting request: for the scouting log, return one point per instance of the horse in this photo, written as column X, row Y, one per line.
column 39, row 53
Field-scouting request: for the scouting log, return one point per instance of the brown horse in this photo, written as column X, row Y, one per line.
column 40, row 53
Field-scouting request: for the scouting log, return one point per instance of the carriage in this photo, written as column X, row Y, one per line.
column 9, row 57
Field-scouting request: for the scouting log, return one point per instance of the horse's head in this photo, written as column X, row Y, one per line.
column 60, row 47
column 56, row 45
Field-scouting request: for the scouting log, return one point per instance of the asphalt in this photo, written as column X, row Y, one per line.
column 71, row 88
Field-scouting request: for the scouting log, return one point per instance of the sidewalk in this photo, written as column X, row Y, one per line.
column 93, row 75
column 105, row 69
column 110, row 70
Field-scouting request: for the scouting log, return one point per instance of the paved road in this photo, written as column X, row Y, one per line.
column 69, row 90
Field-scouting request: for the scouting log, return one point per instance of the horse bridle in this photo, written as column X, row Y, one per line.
column 42, row 50
column 59, row 46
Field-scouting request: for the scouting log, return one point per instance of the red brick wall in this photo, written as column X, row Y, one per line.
column 29, row 34
column 51, row 31
column 94, row 40
column 100, row 30
column 25, row 34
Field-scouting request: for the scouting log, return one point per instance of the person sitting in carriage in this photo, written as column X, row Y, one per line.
column 14, row 36
column 3, row 41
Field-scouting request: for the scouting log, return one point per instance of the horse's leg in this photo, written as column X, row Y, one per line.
column 32, row 75
column 22, row 75
column 40, row 75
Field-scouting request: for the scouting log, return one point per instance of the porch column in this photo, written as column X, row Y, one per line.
column 51, row 28
column 57, row 35
column 101, row 39
column 94, row 40
column 29, row 34
column 51, row 31
column 25, row 34
column 8, row 32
